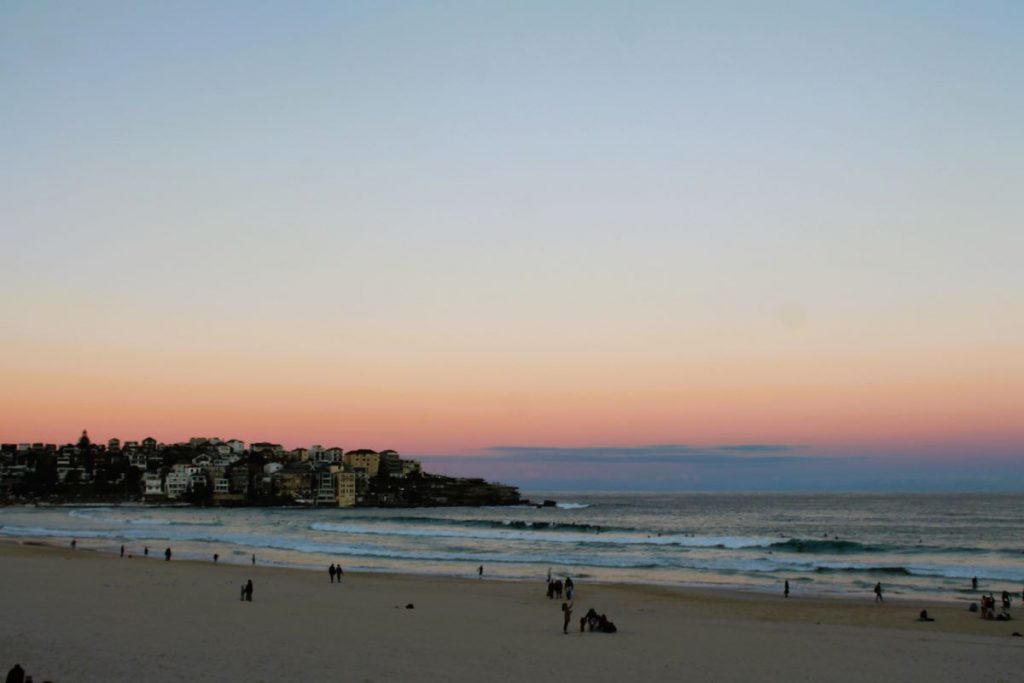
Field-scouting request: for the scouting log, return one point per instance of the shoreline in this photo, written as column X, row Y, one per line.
column 958, row 598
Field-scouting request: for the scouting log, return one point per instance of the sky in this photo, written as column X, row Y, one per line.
column 772, row 244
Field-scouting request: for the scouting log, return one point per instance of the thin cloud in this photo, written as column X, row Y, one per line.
column 663, row 453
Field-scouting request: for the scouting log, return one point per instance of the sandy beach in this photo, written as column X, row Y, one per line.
column 88, row 616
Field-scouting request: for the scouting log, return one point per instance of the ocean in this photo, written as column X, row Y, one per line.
column 839, row 544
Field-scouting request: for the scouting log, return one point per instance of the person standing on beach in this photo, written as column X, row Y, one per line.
column 566, row 616
column 248, row 590
column 330, row 571
column 337, row 570
column 254, row 559
column 785, row 591
column 480, row 572
column 122, row 551
column 146, row 553
column 878, row 592
column 167, row 555
column 74, row 544
column 215, row 558
column 974, row 583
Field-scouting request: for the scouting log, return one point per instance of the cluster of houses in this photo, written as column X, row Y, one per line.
column 209, row 470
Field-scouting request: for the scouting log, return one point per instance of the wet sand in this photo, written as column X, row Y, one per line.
column 71, row 616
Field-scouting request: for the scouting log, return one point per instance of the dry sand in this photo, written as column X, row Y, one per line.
column 80, row 616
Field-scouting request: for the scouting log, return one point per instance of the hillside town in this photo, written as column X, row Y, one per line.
column 214, row 471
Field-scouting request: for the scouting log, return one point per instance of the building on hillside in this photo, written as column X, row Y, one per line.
column 267, row 449
column 153, row 486
column 362, row 459
column 344, row 488
column 294, row 481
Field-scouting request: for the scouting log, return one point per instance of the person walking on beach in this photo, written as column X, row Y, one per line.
column 74, row 544
column 878, row 592
column 254, row 559
column 167, row 555
column 338, row 572
column 215, row 558
column 146, row 552
column 330, row 571
column 122, row 551
column 480, row 572
column 569, row 588
column 785, row 591
column 248, row 590
column 566, row 616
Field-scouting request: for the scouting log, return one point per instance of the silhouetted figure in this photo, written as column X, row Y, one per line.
column 215, row 558
column 74, row 544
column 924, row 616
column 567, row 616
column 590, row 618
column 122, row 551
column 16, row 674
column 974, row 583
column 254, row 559
column 785, row 591
column 337, row 570
column 570, row 588
column 167, row 555
column 878, row 592
column 480, row 572
column 331, row 571
column 1006, row 600
column 146, row 551
column 248, row 590
column 557, row 587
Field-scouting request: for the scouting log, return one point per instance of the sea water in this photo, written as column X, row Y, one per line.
column 914, row 544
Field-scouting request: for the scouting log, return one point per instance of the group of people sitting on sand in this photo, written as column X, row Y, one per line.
column 17, row 675
column 988, row 607
column 596, row 622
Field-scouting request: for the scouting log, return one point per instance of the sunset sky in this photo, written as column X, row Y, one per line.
column 624, row 245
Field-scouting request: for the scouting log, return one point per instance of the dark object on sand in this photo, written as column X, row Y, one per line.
column 924, row 616
column 16, row 674
column 1015, row 634
column 410, row 606
column 973, row 607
